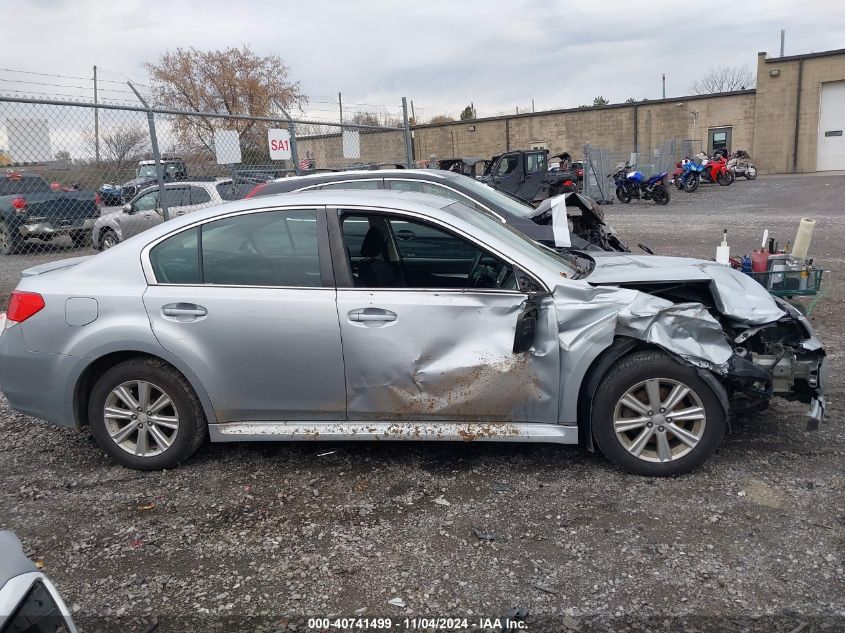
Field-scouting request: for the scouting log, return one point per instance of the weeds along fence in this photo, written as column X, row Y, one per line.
column 66, row 164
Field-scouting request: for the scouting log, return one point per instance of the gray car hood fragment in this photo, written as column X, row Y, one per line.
column 589, row 318
column 736, row 295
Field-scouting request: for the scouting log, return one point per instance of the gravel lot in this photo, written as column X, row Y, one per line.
column 754, row 541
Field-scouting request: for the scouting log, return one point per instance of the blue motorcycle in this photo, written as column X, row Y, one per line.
column 690, row 176
column 633, row 186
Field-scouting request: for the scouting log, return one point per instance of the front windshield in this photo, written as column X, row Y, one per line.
column 496, row 199
column 147, row 171
column 515, row 240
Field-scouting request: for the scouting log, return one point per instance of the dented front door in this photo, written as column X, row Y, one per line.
column 445, row 355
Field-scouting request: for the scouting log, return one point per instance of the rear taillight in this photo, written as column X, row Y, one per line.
column 19, row 204
column 255, row 190
column 98, row 199
column 23, row 305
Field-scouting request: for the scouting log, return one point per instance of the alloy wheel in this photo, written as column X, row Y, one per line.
column 141, row 418
column 109, row 240
column 659, row 420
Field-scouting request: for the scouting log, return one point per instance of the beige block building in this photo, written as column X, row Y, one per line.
column 761, row 121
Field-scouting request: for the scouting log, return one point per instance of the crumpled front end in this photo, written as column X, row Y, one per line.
column 780, row 358
column 751, row 362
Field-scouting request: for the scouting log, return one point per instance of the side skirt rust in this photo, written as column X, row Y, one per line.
column 387, row 431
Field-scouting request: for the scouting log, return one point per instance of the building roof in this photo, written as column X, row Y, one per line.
column 790, row 58
column 610, row 106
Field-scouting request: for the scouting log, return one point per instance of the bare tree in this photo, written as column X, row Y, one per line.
column 724, row 79
column 230, row 81
column 441, row 118
column 122, row 144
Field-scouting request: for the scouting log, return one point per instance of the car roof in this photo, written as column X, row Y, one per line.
column 367, row 174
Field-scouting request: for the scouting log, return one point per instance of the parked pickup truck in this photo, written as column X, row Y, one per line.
column 525, row 174
column 30, row 207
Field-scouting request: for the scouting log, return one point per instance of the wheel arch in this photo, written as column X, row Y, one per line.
column 102, row 363
column 623, row 346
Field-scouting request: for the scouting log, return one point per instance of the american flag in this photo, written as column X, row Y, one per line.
column 304, row 163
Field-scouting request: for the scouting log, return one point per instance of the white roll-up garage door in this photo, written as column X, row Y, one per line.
column 831, row 152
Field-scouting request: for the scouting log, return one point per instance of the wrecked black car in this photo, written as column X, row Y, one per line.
column 586, row 225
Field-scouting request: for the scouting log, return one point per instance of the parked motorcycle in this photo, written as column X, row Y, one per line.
column 716, row 169
column 633, row 186
column 740, row 165
column 687, row 175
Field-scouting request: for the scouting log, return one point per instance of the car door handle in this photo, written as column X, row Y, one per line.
column 371, row 314
column 183, row 311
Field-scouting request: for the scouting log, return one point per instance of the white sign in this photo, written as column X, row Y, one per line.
column 351, row 144
column 560, row 223
column 227, row 147
column 279, row 142
column 29, row 140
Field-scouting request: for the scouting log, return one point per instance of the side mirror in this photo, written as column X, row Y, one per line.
column 526, row 328
column 128, row 208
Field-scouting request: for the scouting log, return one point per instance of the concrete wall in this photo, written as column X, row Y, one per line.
column 775, row 148
column 376, row 147
column 617, row 127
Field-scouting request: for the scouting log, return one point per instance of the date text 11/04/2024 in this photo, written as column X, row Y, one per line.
column 411, row 624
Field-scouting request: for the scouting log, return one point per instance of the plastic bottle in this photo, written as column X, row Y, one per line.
column 723, row 251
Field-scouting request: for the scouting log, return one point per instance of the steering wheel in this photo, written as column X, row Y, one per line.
column 485, row 276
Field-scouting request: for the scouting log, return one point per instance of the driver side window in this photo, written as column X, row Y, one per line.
column 147, row 202
column 396, row 252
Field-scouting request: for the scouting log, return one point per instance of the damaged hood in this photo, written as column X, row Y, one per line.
column 735, row 294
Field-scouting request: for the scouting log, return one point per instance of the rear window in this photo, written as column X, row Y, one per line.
column 23, row 185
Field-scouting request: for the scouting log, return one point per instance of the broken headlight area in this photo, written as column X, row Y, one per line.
column 782, row 358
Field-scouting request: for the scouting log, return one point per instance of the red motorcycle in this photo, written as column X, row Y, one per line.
column 716, row 170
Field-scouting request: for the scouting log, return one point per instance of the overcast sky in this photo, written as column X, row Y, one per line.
column 442, row 54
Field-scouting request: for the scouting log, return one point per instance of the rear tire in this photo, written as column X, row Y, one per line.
column 10, row 241
column 645, row 444
column 725, row 178
column 172, row 432
column 660, row 194
column 81, row 239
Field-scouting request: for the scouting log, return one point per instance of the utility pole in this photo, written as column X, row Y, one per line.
column 340, row 105
column 413, row 114
column 664, row 85
column 156, row 155
column 782, row 40
column 532, row 105
column 96, row 122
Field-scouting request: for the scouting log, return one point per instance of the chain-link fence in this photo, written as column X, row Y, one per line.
column 601, row 163
column 76, row 178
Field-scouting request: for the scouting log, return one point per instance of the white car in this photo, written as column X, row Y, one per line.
column 28, row 600
column 145, row 209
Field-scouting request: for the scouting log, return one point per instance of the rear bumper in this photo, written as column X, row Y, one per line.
column 41, row 229
column 36, row 383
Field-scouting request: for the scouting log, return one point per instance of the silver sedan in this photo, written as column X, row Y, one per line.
column 358, row 315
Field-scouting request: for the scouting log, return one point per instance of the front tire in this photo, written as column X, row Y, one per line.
column 750, row 172
column 635, row 435
column 145, row 415
column 725, row 178
column 108, row 238
column 624, row 194
column 692, row 183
